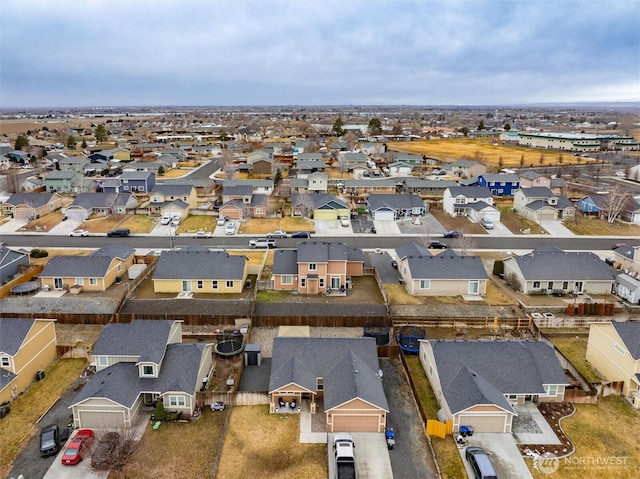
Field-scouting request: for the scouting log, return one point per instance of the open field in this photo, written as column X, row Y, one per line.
column 267, row 225
column 259, row 444
column 486, row 151
column 20, row 424
column 600, row 227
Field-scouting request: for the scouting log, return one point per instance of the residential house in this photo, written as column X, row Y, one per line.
column 627, row 287
column 73, row 163
column 445, row 274
column 29, row 206
column 195, row 270
column 139, row 364
column 550, row 270
column 260, row 187
column 465, row 168
column 130, row 182
column 613, row 349
column 63, row 181
column 159, row 166
column 261, row 162
column 541, row 204
column 393, row 207
column 341, row 372
column 481, row 383
column 317, row 267
column 32, row 184
column 628, row 257
column 350, row 160
column 426, row 187
column 631, row 210
column 118, row 154
column 319, row 206
column 502, row 184
column 26, row 347
column 362, row 187
column 86, row 205
column 593, row 205
column 414, row 161
column 94, row 272
column 533, row 179
column 400, row 168
column 172, row 198
column 19, row 156
column 239, row 201
column 305, row 167
column 476, row 202
column 11, row 262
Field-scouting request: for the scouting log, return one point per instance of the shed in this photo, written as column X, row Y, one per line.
column 136, row 270
column 253, row 355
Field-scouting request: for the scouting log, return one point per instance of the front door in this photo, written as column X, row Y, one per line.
column 335, row 282
column 57, row 283
column 577, row 288
column 186, row 286
column 312, row 285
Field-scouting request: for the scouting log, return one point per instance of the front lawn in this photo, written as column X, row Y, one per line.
column 600, row 227
column 20, row 424
column 288, row 224
column 259, row 444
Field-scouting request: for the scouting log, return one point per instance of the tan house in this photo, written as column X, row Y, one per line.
column 29, row 206
column 541, row 204
column 27, row 346
column 177, row 198
column 137, row 365
column 198, row 270
column 319, row 206
column 261, row 162
column 94, row 272
column 481, row 383
column 343, row 372
column 317, row 267
column 613, row 350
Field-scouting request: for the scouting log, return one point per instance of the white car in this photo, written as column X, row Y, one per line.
column 277, row 234
column 231, row 228
column 222, row 220
column 79, row 233
column 344, row 221
column 165, row 220
column 621, row 174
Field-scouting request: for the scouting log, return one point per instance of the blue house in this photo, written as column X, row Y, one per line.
column 593, row 205
column 502, row 184
column 130, row 182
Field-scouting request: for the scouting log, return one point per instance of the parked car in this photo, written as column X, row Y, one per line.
column 618, row 245
column 301, row 234
column 77, row 447
column 486, row 223
column 262, row 243
column 344, row 221
column 202, row 234
column 437, row 245
column 49, row 440
column 79, row 233
column 453, row 234
column 165, row 220
column 621, row 174
column 231, row 228
column 480, row 463
column 119, row 232
column 217, row 406
column 222, row 220
column 394, row 264
column 102, row 457
column 277, row 234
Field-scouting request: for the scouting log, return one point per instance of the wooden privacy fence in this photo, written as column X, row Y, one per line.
column 440, row 429
column 207, row 398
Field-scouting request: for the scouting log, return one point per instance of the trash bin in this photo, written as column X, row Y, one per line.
column 466, row 431
column 39, row 375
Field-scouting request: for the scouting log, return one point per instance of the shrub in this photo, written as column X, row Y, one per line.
column 160, row 414
column 498, row 267
column 39, row 253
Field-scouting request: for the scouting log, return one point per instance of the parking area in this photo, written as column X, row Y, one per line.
column 361, row 224
column 556, row 228
column 504, row 454
column 499, row 230
column 331, row 228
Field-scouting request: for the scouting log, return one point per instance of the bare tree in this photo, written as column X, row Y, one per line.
column 227, row 163
column 616, row 201
column 304, row 201
column 121, row 445
column 351, row 139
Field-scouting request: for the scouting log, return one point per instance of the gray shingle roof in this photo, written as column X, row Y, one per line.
column 32, row 199
column 13, row 331
column 144, row 338
column 205, row 265
column 172, row 189
column 95, row 200
column 285, row 261
column 319, row 200
column 411, row 249
column 470, row 191
column 79, row 266
column 537, row 192
column 323, row 252
column 446, row 266
column 629, row 332
column 405, row 201
column 237, row 190
column 509, row 367
column 552, row 263
column 501, row 177
column 335, row 360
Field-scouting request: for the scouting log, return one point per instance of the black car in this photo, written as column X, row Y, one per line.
column 119, row 232
column 102, row 457
column 437, row 245
column 453, row 234
column 301, row 234
column 480, row 463
column 49, row 440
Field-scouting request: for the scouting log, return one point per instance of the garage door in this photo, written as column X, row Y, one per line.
column 75, row 215
column 325, row 215
column 360, row 423
column 383, row 215
column 95, row 419
column 546, row 217
column 484, row 423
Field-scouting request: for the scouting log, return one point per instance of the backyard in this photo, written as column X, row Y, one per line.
column 574, row 346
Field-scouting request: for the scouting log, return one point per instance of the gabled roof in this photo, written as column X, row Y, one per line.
column 95, row 200
column 8, row 256
column 77, row 266
column 203, row 265
column 172, row 189
column 13, row 332
column 629, row 332
column 552, row 263
column 531, row 175
column 319, row 200
column 323, row 252
column 253, row 183
column 411, row 249
column 61, row 175
column 397, row 201
column 237, row 190
column 145, row 339
column 370, row 182
column 118, row 250
column 537, row 192
column 470, row 191
column 285, row 261
column 136, row 175
column 476, row 370
column 463, row 163
column 35, row 200
column 500, row 177
column 446, row 266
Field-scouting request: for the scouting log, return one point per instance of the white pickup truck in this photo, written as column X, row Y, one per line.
column 262, row 243
column 344, row 452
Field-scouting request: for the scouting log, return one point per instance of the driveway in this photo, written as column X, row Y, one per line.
column 388, row 228
column 411, row 457
column 372, row 458
column 499, row 230
column 505, row 456
column 427, row 226
column 12, row 225
column 382, row 264
column 556, row 228
column 65, row 227
column 331, row 228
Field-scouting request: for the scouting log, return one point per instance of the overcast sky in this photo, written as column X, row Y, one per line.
column 58, row 53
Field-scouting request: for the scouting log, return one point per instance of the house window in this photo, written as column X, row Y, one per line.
column 147, row 370
column 565, row 285
column 319, row 384
column 552, row 389
column 177, row 401
column 286, row 279
column 118, row 267
column 214, row 284
column 229, row 284
column 93, row 281
column 474, row 286
column 313, row 267
column 80, row 281
column 321, row 283
column 200, row 284
column 536, row 284
column 140, row 188
column 430, row 370
column 103, row 361
column 303, row 282
column 425, row 284
column 5, row 361
column 259, row 210
column 550, row 285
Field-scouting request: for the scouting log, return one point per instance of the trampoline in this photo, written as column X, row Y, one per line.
column 229, row 347
column 379, row 331
column 408, row 339
column 25, row 288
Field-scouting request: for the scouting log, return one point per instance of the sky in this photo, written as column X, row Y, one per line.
column 80, row 53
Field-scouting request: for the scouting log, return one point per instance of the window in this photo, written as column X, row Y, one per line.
column 259, row 210
column 319, row 384
column 80, row 281
column 229, row 284
column 5, row 361
column 321, row 282
column 140, row 188
column 200, row 284
column 147, row 370
column 313, row 267
column 565, row 285
column 425, row 284
column 176, row 401
column 286, row 279
column 93, row 281
column 552, row 390
column 550, row 285
column 303, row 282
column 214, row 284
column 536, row 284
column 103, row 361
column 119, row 267
column 430, row 370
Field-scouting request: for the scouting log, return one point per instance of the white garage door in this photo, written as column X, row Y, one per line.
column 484, row 423
column 384, row 215
column 546, row 217
column 357, row 423
column 96, row 419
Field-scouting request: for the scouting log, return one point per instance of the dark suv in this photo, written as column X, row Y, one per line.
column 480, row 463
column 119, row 232
column 49, row 440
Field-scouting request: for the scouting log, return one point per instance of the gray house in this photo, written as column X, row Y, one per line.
column 10, row 263
column 385, row 207
column 550, row 270
column 87, row 204
column 63, row 181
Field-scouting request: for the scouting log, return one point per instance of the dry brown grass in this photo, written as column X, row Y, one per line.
column 20, row 425
column 44, row 223
column 485, row 151
column 267, row 225
column 516, row 223
column 259, row 444
column 600, row 227
column 574, row 347
column 495, row 295
column 459, row 223
column 59, row 252
column 178, row 449
column 193, row 223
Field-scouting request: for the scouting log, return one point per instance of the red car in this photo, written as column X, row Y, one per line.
column 77, row 447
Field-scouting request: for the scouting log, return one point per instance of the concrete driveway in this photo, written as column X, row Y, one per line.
column 372, row 456
column 505, row 456
column 65, row 227
column 556, row 228
column 388, row 228
column 332, row 228
column 499, row 230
